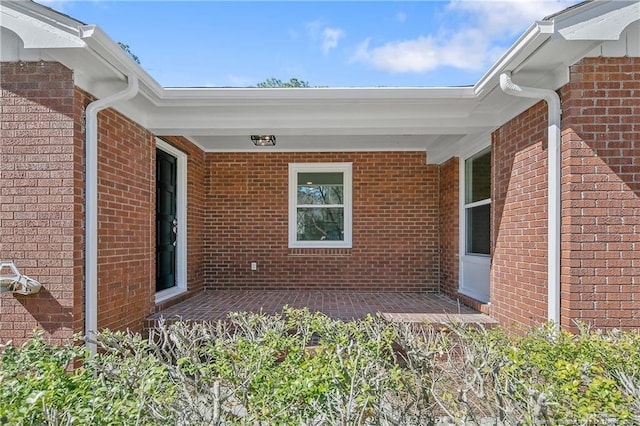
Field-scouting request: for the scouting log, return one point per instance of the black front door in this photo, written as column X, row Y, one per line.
column 166, row 222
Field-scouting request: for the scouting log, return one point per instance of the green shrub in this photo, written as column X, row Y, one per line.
column 299, row 368
column 39, row 387
column 578, row 374
column 35, row 384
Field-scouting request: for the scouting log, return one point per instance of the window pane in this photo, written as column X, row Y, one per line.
column 321, row 178
column 320, row 224
column 320, row 188
column 478, row 178
column 478, row 229
column 320, row 195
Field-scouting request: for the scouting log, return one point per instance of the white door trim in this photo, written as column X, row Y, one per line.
column 181, row 216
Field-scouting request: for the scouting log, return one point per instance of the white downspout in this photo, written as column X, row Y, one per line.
column 91, row 194
column 554, row 186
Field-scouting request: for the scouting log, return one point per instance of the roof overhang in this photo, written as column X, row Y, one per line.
column 443, row 121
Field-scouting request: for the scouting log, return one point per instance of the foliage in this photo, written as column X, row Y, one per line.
column 298, row 368
column 580, row 375
column 37, row 386
column 128, row 51
column 275, row 82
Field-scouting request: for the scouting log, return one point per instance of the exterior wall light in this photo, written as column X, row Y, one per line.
column 263, row 140
column 15, row 282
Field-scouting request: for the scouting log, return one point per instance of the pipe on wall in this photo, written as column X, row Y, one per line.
column 91, row 194
column 554, row 187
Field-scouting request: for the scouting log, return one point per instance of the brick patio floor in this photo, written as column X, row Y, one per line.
column 410, row 307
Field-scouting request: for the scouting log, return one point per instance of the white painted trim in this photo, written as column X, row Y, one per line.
column 276, row 150
column 532, row 39
column 553, row 189
column 91, row 206
column 475, row 259
column 181, row 215
column 478, row 203
column 463, row 257
column 346, row 169
column 599, row 21
column 39, row 30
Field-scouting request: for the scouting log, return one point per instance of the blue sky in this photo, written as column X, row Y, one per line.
column 327, row 43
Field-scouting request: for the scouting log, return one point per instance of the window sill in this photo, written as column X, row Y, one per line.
column 319, row 252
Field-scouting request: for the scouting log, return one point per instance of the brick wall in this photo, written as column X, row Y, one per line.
column 519, row 219
column 600, row 275
column 126, row 214
column 41, row 202
column 449, row 227
column 601, row 193
column 395, row 225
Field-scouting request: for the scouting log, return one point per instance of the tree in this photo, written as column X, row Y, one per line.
column 275, row 82
column 128, row 51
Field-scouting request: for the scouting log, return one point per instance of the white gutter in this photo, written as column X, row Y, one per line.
column 110, row 52
column 554, row 163
column 529, row 42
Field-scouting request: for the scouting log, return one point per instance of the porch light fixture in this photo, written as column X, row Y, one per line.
column 263, row 140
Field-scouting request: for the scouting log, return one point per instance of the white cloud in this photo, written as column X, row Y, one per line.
column 473, row 36
column 507, row 17
column 330, row 38
column 327, row 36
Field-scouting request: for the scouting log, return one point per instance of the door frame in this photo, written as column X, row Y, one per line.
column 473, row 265
column 181, row 216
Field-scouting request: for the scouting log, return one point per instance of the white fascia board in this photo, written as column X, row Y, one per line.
column 326, row 128
column 534, row 37
column 599, row 20
column 284, row 96
column 108, row 49
column 595, row 21
column 39, row 30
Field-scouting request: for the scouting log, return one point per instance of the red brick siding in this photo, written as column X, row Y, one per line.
column 449, row 226
column 395, row 225
column 601, row 193
column 126, row 193
column 519, row 218
column 196, row 196
column 41, row 199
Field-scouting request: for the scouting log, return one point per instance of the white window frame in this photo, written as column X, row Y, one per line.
column 467, row 206
column 474, row 278
column 181, row 215
column 346, row 170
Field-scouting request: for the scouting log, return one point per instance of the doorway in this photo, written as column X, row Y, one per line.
column 166, row 221
column 170, row 221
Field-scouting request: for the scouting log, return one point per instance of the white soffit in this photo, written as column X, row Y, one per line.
column 39, row 27
column 598, row 20
column 329, row 143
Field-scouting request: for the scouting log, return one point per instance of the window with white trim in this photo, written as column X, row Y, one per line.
column 478, row 203
column 320, row 205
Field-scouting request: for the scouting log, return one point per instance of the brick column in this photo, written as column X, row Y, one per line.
column 601, row 193
column 41, row 199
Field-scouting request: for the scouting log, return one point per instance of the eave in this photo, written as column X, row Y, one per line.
column 444, row 121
